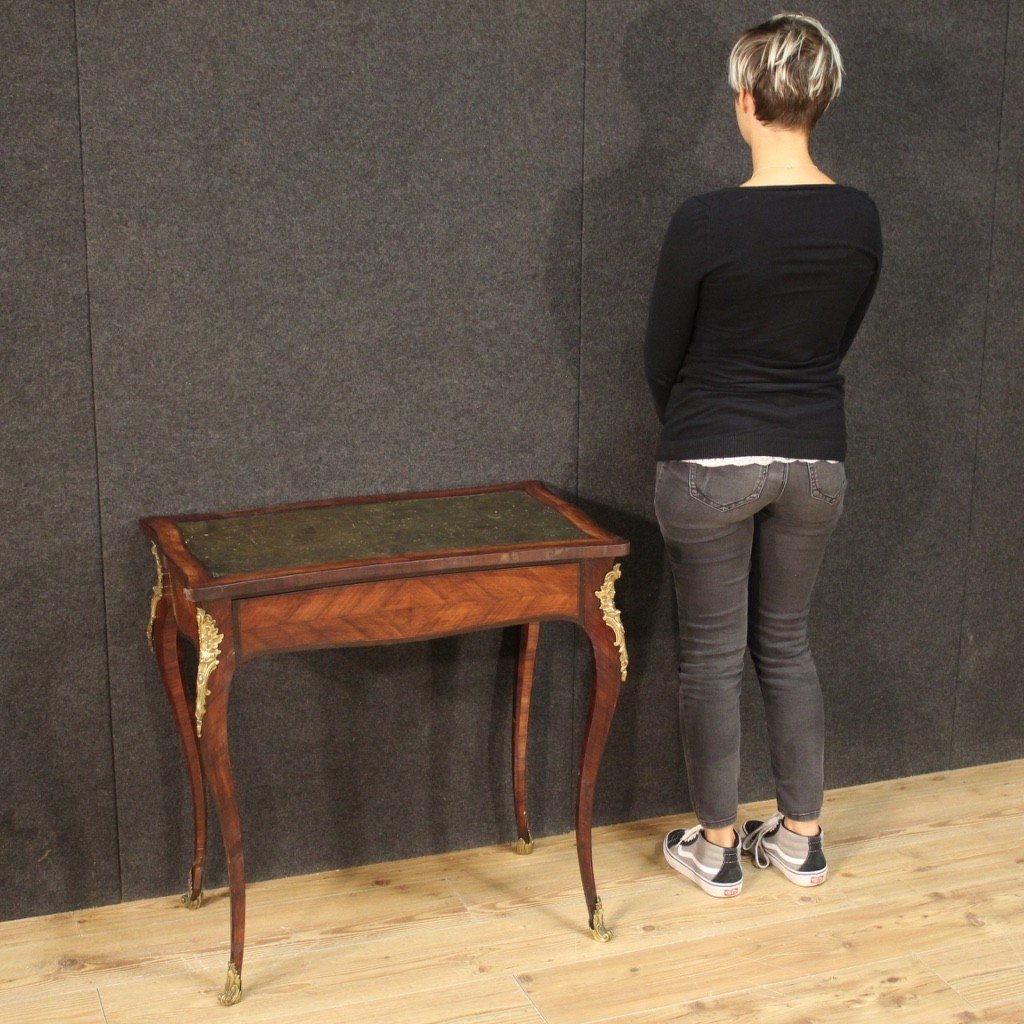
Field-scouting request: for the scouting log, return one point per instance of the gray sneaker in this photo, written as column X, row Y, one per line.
column 716, row 869
column 800, row 858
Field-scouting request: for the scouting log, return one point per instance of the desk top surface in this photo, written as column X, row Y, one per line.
column 374, row 530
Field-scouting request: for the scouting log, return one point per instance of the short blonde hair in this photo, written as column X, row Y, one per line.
column 790, row 64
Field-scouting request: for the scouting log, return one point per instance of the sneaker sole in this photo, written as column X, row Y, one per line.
column 711, row 888
column 797, row 877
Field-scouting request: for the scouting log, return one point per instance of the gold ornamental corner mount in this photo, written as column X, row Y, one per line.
column 209, row 649
column 158, row 593
column 611, row 616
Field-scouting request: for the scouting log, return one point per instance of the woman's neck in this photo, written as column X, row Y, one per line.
column 783, row 157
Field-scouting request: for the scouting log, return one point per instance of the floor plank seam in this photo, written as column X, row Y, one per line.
column 32, row 996
column 1016, row 940
column 99, row 997
column 368, row 1001
column 916, row 955
column 674, row 1008
column 299, row 947
column 529, row 998
column 699, row 933
column 458, row 895
column 609, row 891
column 870, row 965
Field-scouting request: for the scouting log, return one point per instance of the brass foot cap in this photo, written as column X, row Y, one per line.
column 597, row 928
column 192, row 904
column 232, row 987
column 524, row 845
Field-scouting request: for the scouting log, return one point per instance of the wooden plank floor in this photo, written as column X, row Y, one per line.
column 921, row 920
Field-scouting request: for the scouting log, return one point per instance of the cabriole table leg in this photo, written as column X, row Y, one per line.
column 167, row 644
column 528, row 636
column 216, row 667
column 603, row 627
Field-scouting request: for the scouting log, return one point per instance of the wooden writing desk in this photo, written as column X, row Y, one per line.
column 368, row 570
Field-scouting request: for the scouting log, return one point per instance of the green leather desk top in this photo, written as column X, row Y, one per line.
column 366, row 530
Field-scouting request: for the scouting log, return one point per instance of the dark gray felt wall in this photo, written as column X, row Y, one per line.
column 269, row 252
column 58, row 818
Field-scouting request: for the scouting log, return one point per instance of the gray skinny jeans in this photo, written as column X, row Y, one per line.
column 745, row 544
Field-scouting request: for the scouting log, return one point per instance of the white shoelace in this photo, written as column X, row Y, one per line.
column 688, row 835
column 752, row 841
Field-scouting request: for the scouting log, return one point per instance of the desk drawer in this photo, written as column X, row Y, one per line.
column 410, row 608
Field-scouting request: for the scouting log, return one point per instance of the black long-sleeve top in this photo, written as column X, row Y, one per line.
column 758, row 295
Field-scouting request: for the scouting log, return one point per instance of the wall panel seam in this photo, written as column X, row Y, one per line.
column 96, row 452
column 579, row 280
column 576, row 673
column 981, row 389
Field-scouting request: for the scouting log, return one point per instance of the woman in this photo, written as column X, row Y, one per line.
column 758, row 295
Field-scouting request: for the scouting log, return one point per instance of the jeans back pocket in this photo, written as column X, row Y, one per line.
column 727, row 487
column 827, row 480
